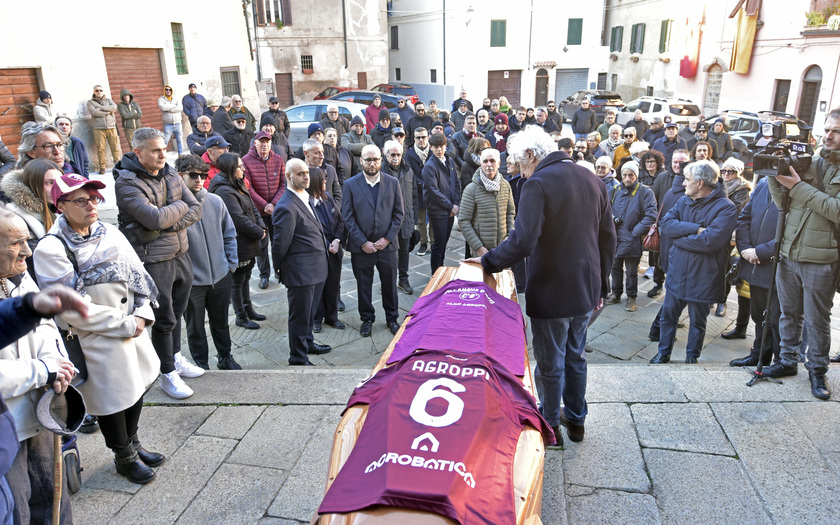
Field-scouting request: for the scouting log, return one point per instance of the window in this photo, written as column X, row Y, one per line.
column 344, row 112
column 665, row 36
column 180, row 50
column 433, row 76
column 303, row 113
column 637, row 38
column 397, row 74
column 613, row 82
column 395, row 37
column 270, row 12
column 573, row 37
column 602, row 81
column 498, row 33
column 616, row 34
column 230, row 81
column 306, row 63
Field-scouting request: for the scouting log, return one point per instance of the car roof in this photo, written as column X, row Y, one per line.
column 327, row 101
column 668, row 100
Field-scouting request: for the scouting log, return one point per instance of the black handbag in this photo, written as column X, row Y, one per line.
column 732, row 276
column 71, row 340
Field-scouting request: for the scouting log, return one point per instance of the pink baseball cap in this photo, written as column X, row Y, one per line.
column 70, row 182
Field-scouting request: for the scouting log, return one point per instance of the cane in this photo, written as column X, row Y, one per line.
column 57, row 475
column 757, row 374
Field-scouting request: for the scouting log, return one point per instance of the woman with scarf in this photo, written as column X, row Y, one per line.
column 95, row 259
column 738, row 190
column 611, row 143
column 593, row 140
column 504, row 106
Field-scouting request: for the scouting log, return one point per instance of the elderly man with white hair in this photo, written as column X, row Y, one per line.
column 487, row 210
column 397, row 166
column 612, row 141
column 238, row 107
column 333, row 119
column 568, row 268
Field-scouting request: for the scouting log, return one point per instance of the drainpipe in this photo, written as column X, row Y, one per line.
column 256, row 41
column 344, row 28
column 444, row 47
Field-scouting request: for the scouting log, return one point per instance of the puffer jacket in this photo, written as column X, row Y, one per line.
column 486, row 217
column 246, row 218
column 43, row 112
column 637, row 208
column 102, row 110
column 156, row 202
column 194, row 106
column 130, row 111
column 75, row 154
column 266, row 178
column 757, row 229
column 724, row 144
column 405, row 175
column 808, row 232
column 697, row 263
column 171, row 108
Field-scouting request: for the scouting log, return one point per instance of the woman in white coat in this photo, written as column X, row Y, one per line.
column 97, row 260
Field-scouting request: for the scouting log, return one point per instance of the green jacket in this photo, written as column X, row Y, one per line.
column 486, row 217
column 808, row 229
column 129, row 111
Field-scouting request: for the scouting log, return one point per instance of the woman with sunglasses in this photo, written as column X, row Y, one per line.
column 738, row 190
column 94, row 258
column 229, row 184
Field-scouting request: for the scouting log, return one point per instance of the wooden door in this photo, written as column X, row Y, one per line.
column 285, row 89
column 19, row 90
column 541, row 90
column 505, row 83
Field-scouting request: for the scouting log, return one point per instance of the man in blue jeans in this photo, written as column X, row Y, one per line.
column 565, row 229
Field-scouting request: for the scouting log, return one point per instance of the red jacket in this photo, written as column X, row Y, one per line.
column 372, row 116
column 266, row 178
column 213, row 170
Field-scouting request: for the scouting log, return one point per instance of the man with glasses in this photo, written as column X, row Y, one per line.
column 373, row 213
column 701, row 134
column 335, row 120
column 39, row 140
column 584, row 121
column 623, row 150
column 670, row 141
column 416, row 156
column 553, row 114
column 581, row 152
column 419, row 120
column 212, row 269
column 196, row 141
column 404, row 110
column 171, row 109
column 238, row 107
column 280, row 118
column 102, row 109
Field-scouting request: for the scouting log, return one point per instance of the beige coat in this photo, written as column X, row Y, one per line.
column 102, row 110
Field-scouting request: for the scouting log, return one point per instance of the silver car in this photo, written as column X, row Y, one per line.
column 302, row 115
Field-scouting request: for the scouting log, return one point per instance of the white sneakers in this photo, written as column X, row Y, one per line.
column 174, row 386
column 185, row 368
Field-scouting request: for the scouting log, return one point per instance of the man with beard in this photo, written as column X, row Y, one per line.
column 239, row 137
column 419, row 120
column 554, row 115
column 416, row 157
column 396, row 166
column 238, row 107
column 701, row 134
column 197, row 139
column 484, row 125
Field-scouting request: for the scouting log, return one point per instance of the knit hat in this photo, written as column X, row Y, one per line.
column 384, row 113
column 314, row 128
column 273, row 99
column 192, row 85
column 44, row 94
column 436, row 124
column 268, row 119
column 357, row 120
column 631, row 165
column 501, row 117
column 702, row 127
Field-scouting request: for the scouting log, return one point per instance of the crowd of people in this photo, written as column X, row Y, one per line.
column 568, row 216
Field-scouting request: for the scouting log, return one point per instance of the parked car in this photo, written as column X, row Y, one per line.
column 404, row 90
column 366, row 98
column 745, row 128
column 330, row 91
column 680, row 109
column 599, row 100
column 302, row 115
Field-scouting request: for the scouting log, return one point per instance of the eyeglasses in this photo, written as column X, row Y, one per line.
column 51, row 147
column 627, row 136
column 196, row 175
column 373, row 160
column 728, row 172
column 650, row 161
column 100, row 91
column 81, row 203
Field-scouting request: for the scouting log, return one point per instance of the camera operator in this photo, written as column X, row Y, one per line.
column 807, row 271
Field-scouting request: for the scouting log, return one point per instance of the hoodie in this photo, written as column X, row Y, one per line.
column 129, row 111
column 170, row 107
column 43, row 112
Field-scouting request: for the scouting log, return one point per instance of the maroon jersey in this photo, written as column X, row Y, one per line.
column 469, row 317
column 440, row 436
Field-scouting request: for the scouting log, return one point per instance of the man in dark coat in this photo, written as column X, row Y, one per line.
column 584, row 120
column 313, row 155
column 373, row 213
column 239, row 137
column 553, row 114
column 281, row 120
column 195, row 106
column 442, row 194
column 419, row 120
column 669, row 142
column 639, row 123
column 221, row 118
column 699, row 228
column 565, row 229
column 457, row 102
column 202, row 130
column 300, row 250
column 383, row 130
column 334, row 120
column 654, row 132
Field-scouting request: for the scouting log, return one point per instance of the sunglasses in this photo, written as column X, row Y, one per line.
column 195, row 175
column 628, row 136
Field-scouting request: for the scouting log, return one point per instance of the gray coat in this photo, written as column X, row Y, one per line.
column 141, row 200
column 486, row 217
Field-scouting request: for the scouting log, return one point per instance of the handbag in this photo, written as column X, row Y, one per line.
column 70, row 340
column 650, row 241
column 732, row 276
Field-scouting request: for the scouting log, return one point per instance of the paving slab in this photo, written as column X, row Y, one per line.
column 622, row 344
column 820, row 422
column 729, row 385
column 236, row 494
column 702, row 489
column 599, row 506
column 178, row 481
column 97, row 506
column 784, row 466
column 231, row 422
column 554, row 498
column 609, row 457
column 631, row 384
column 686, row 427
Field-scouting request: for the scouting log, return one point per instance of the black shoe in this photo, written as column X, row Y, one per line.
column 202, row 365
column 338, row 325
column 749, row 361
column 777, row 369
column 244, row 322
column 365, row 329
column 151, row 459
column 653, row 335
column 660, row 359
column 739, row 332
column 340, row 305
column 307, row 363
column 130, row 465
column 228, row 363
column 835, row 359
column 316, row 327
column 263, row 283
column 315, row 348
column 558, row 436
column 575, row 431
column 656, row 290
column 253, row 315
column 405, row 287
column 819, row 388
column 721, row 310
column 422, row 250
column 89, row 425
column 691, row 360
column 394, row 327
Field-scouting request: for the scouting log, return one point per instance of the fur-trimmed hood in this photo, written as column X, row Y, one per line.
column 20, row 194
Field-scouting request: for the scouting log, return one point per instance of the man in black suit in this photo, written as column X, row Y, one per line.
column 373, row 213
column 565, row 228
column 300, row 249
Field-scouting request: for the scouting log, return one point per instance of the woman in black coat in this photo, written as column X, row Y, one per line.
column 228, row 184
column 333, row 226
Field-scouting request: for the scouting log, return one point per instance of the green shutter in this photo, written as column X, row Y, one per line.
column 498, row 33
column 615, row 38
column 665, row 36
column 575, row 31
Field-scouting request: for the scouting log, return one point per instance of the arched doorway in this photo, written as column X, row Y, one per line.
column 541, row 95
column 711, row 97
column 809, row 93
